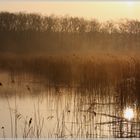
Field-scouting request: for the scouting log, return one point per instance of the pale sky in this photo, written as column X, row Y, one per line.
column 103, row 10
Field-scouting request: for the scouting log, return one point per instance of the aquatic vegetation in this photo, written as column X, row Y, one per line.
column 84, row 96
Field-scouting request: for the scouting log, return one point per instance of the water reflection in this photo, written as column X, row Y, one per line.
column 128, row 113
column 29, row 108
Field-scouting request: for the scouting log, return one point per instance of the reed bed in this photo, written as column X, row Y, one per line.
column 98, row 89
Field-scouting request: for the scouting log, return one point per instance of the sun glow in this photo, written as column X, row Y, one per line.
column 130, row 3
column 128, row 113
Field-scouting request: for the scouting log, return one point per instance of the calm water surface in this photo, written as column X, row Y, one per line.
column 30, row 108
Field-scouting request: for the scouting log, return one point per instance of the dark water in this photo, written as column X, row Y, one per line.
column 31, row 108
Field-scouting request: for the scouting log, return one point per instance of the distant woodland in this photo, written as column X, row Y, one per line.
column 25, row 33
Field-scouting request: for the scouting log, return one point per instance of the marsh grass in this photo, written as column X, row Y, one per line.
column 100, row 87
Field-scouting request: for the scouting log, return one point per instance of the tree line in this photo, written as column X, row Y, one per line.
column 22, row 32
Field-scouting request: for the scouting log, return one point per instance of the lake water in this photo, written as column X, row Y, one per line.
column 31, row 108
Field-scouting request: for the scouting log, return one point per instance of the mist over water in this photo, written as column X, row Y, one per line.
column 54, row 97
column 67, row 77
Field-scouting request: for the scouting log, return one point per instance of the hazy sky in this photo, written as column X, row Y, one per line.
column 103, row 10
